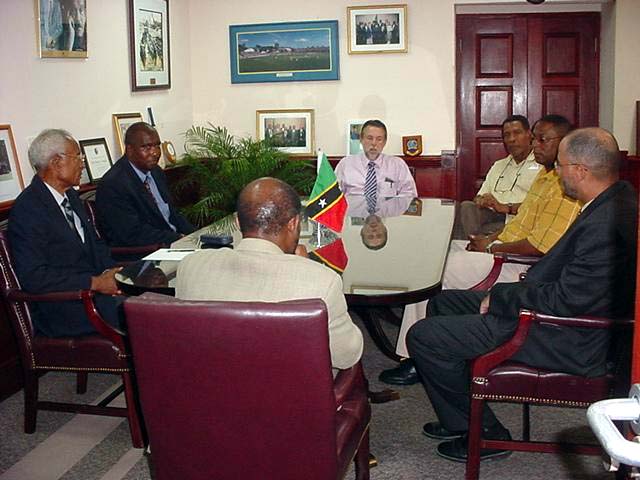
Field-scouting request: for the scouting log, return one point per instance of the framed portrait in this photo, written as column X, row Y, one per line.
column 284, row 52
column 121, row 122
column 354, row 127
column 149, row 44
column 62, row 28
column 97, row 158
column 291, row 131
column 415, row 208
column 377, row 29
column 11, row 183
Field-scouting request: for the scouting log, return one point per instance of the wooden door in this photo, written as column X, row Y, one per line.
column 528, row 64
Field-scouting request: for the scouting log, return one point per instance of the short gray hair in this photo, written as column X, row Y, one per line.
column 596, row 148
column 47, row 144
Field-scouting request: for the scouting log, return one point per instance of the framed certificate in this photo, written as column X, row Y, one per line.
column 97, row 157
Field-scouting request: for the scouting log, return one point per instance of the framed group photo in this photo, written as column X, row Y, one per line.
column 11, row 183
column 96, row 157
column 149, row 44
column 354, row 129
column 377, row 29
column 291, row 130
column 284, row 52
column 62, row 28
column 121, row 122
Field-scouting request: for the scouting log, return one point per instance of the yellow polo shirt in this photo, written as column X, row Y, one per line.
column 544, row 215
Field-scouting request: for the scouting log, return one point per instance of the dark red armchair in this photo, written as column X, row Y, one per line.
column 495, row 378
column 245, row 390
column 103, row 352
column 499, row 259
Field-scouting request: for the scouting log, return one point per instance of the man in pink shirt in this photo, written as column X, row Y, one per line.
column 392, row 176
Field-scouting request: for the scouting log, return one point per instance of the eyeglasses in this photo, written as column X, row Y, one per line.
column 543, row 140
column 558, row 165
column 497, row 189
column 79, row 156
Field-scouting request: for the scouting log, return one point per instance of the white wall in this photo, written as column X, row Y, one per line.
column 81, row 94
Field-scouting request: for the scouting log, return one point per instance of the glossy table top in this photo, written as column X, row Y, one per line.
column 408, row 265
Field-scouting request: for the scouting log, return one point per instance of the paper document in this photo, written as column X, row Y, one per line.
column 175, row 254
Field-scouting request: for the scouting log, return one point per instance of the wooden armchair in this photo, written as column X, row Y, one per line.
column 499, row 259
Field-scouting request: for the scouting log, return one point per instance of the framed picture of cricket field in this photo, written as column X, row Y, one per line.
column 284, row 52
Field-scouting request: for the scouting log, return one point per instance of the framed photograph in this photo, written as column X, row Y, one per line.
column 377, row 29
column 121, row 122
column 11, row 183
column 354, row 127
column 284, row 52
column 291, row 131
column 149, row 44
column 415, row 208
column 97, row 157
column 62, row 28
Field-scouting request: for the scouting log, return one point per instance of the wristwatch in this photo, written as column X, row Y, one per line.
column 488, row 247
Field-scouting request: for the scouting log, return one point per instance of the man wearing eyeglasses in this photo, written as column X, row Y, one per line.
column 54, row 246
column 506, row 183
column 133, row 203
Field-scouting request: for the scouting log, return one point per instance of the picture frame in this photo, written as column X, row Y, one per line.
column 121, row 122
column 150, row 52
column 284, row 52
column 354, row 128
column 377, row 29
column 97, row 159
column 11, row 182
column 290, row 130
column 57, row 38
column 415, row 208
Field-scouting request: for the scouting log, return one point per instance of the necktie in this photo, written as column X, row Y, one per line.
column 371, row 188
column 68, row 213
column 148, row 189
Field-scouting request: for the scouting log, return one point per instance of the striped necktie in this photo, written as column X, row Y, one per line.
column 371, row 188
column 148, row 189
column 68, row 214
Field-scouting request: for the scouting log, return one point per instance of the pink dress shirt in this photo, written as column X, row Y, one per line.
column 392, row 175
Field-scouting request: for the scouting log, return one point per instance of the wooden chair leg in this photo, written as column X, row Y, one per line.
column 362, row 458
column 30, row 401
column 473, row 446
column 81, row 383
column 526, row 424
column 133, row 416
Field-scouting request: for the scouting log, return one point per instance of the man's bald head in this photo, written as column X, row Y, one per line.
column 596, row 148
column 265, row 206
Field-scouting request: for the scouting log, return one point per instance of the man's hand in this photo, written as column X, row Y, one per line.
column 478, row 243
column 484, row 305
column 301, row 251
column 484, row 200
column 106, row 282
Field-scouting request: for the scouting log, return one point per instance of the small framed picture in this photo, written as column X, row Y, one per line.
column 291, row 131
column 377, row 29
column 149, row 44
column 11, row 183
column 284, row 52
column 121, row 122
column 62, row 28
column 97, row 157
column 354, row 127
column 415, row 208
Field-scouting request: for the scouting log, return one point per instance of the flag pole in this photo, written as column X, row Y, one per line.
column 318, row 163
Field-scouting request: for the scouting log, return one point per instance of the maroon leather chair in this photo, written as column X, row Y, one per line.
column 499, row 259
column 235, row 390
column 497, row 379
column 103, row 352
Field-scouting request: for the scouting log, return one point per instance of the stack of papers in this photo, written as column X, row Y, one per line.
column 175, row 254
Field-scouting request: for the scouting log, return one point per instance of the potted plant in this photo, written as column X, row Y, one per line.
column 219, row 165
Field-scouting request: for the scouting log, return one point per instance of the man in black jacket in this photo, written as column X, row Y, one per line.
column 133, row 203
column 589, row 271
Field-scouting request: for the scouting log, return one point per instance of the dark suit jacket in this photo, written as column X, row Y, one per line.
column 50, row 257
column 589, row 272
column 127, row 214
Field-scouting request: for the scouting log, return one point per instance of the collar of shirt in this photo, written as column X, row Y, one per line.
column 258, row 245
column 58, row 197
column 141, row 175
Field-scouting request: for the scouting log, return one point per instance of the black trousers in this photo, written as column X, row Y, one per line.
column 441, row 346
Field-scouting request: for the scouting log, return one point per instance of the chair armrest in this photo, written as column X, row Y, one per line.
column 16, row 295
column 498, row 260
column 106, row 330
column 483, row 364
column 347, row 382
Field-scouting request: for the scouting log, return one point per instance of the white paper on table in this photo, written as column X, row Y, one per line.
column 175, row 254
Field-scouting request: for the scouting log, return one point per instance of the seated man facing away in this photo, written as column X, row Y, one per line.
column 371, row 172
column 54, row 246
column 590, row 271
column 543, row 217
column 263, row 266
column 133, row 203
column 506, row 183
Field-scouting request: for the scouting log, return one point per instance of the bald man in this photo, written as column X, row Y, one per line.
column 590, row 271
column 264, row 267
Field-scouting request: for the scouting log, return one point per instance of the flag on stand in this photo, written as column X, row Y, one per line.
column 327, row 204
column 333, row 256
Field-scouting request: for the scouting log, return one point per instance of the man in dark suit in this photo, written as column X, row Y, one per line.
column 589, row 271
column 133, row 203
column 54, row 246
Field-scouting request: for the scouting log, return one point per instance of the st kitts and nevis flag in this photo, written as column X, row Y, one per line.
column 327, row 204
column 333, row 256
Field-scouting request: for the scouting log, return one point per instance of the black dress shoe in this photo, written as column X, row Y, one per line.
column 437, row 431
column 456, row 450
column 403, row 374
